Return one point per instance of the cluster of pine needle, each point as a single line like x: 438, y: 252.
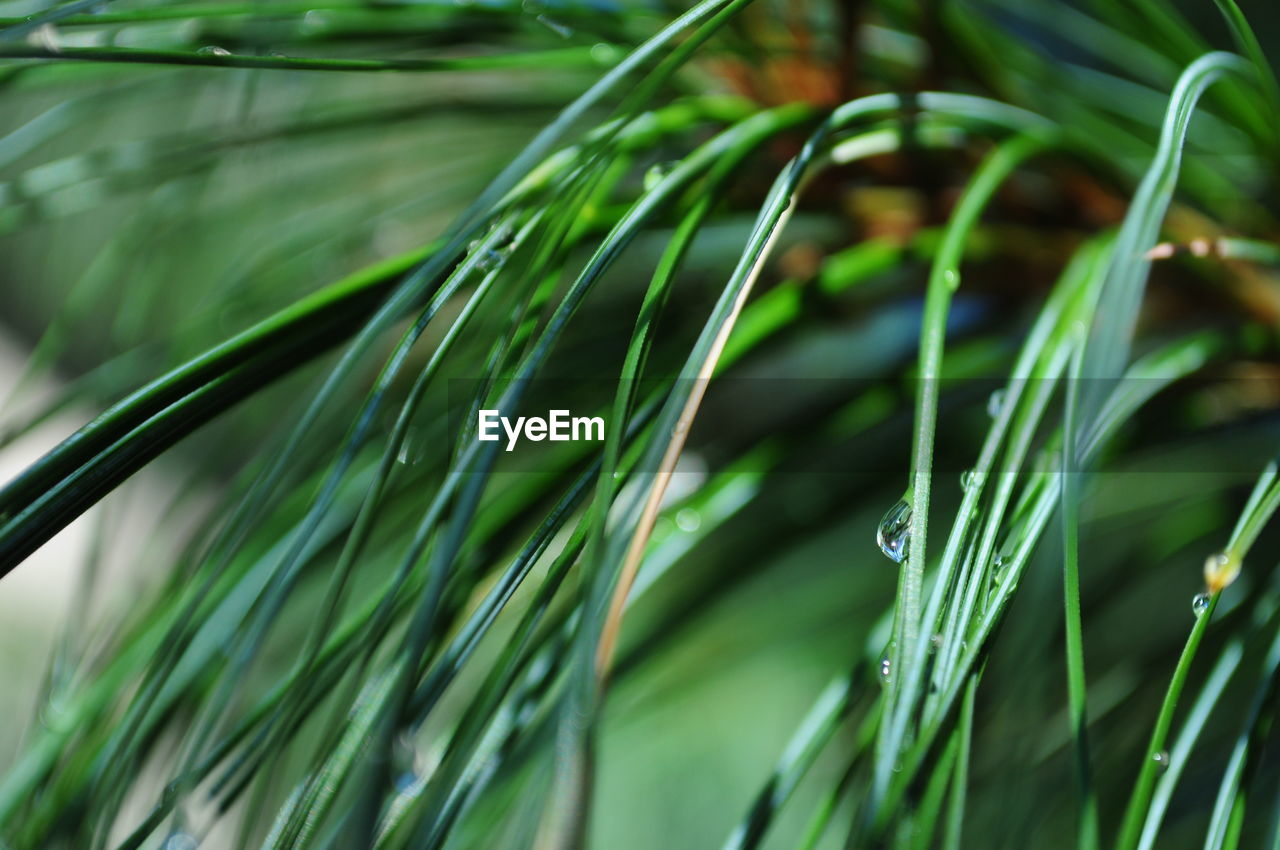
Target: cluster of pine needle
x: 938, y: 347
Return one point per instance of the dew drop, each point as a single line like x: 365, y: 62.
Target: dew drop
x: 886, y: 668
x: 504, y: 238
x: 1199, y: 604
x: 893, y: 535
x: 687, y: 519
x: 486, y: 258
x: 935, y: 641
x: 46, y: 36
x: 560, y: 29
x: 999, y: 572
x: 180, y: 841
x: 213, y: 50
x: 1162, y: 760
x: 605, y: 54
x: 952, y: 278
x: 995, y: 403
x: 655, y: 174
x: 966, y: 479
x: 406, y: 761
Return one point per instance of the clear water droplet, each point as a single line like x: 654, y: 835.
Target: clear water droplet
x: 504, y: 238
x: 213, y: 50
x: 995, y: 403
x: 411, y: 449
x: 560, y: 29
x: 1162, y: 760
x: 1199, y: 604
x: 886, y: 668
x: 688, y: 519
x: 406, y: 761
x: 893, y: 535
x: 952, y: 278
x: 935, y: 641
x: 966, y: 479
x: 605, y: 54
x: 486, y: 258
x: 656, y: 173
x: 180, y: 841
x: 46, y: 36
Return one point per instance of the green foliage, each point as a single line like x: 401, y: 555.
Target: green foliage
x: 798, y: 257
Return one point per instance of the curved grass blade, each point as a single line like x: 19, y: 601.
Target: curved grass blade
x: 817, y: 728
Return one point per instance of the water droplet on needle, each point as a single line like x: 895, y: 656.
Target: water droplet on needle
x: 655, y: 174
x: 995, y: 403
x: 893, y: 535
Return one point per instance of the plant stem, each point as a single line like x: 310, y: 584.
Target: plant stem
x: 1136, y: 812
